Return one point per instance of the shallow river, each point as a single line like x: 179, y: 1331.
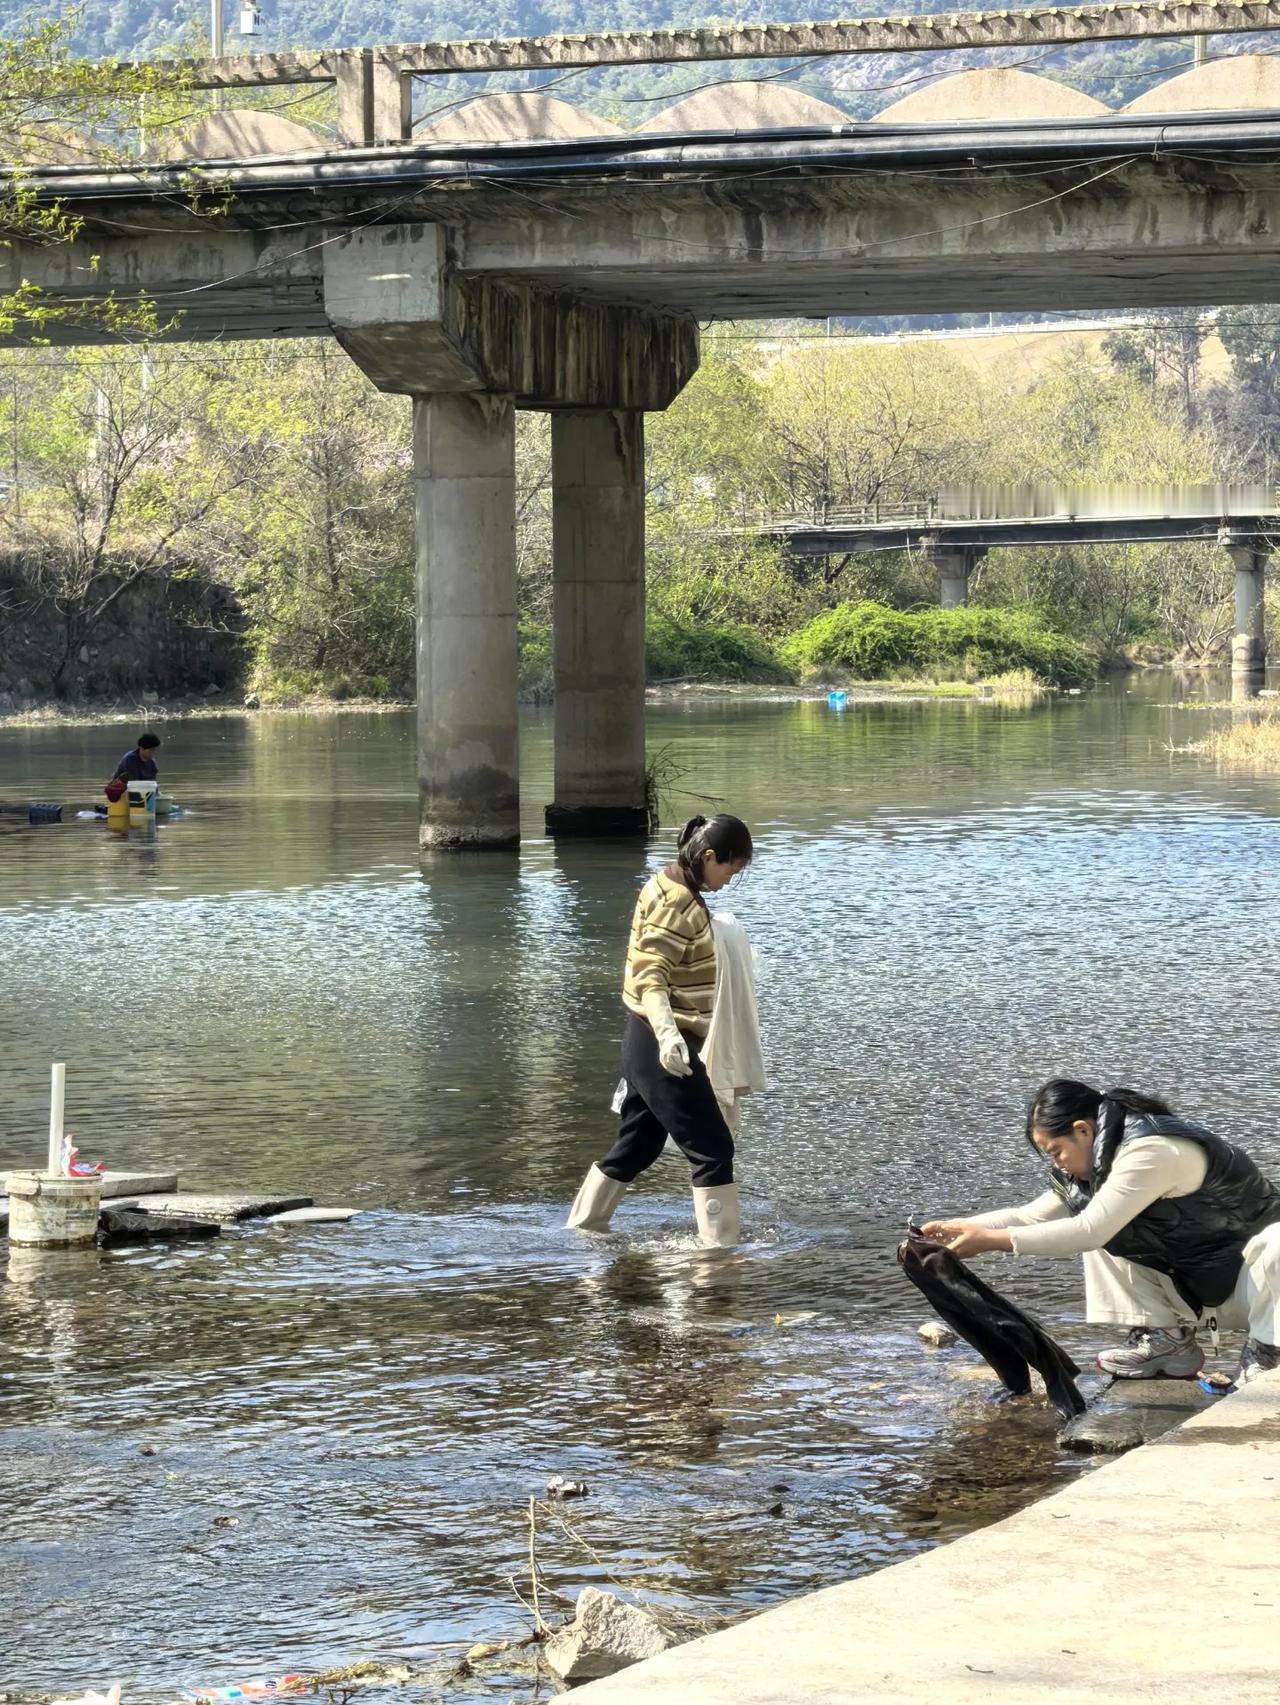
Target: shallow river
x: 951, y: 901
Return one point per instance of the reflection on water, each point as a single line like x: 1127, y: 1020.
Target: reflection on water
x: 952, y: 900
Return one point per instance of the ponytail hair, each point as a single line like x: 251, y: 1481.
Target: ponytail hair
x: 725, y: 836
x: 1057, y: 1105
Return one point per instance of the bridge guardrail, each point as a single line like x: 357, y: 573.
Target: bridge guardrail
x: 375, y: 84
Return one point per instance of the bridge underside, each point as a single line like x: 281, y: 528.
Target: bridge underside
x: 572, y: 277
x: 968, y: 218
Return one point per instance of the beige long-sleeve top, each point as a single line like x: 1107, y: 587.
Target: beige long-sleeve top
x: 1146, y: 1170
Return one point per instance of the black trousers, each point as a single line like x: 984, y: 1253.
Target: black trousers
x: 658, y: 1105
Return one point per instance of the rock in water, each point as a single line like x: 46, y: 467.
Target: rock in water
x: 935, y: 1333
x: 486, y: 1649
x: 559, y: 1487
x: 606, y: 1635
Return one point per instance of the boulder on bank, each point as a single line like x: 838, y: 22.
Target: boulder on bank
x: 605, y: 1636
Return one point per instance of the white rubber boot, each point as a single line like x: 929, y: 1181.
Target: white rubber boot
x: 594, y: 1204
x: 717, y: 1215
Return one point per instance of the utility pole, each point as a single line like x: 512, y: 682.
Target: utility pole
x: 216, y: 44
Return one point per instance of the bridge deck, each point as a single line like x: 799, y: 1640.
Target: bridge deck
x: 860, y: 219
x: 834, y: 538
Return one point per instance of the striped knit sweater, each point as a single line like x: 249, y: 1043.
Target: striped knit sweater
x: 672, y: 949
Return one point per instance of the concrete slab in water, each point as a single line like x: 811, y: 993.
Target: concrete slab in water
x: 1131, y: 1412
x: 314, y: 1216
x: 988, y: 1617
x: 135, y: 1225
x: 199, y: 1205
x: 1155, y: 1394
x: 137, y: 1183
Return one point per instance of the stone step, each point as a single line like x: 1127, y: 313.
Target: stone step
x: 209, y: 1205
x: 136, y: 1183
x: 136, y: 1225
x: 1131, y: 1412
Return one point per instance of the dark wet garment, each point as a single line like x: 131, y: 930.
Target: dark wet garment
x: 998, y: 1330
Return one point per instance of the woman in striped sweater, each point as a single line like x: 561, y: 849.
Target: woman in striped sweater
x: 668, y: 991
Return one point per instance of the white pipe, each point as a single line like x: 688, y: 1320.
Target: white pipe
x: 57, y: 1097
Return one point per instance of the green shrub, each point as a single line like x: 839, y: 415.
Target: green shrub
x: 872, y: 642
x: 707, y: 651
x: 537, y: 675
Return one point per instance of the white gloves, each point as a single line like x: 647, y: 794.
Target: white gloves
x: 673, y: 1050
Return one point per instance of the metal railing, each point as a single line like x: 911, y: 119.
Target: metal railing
x: 918, y: 512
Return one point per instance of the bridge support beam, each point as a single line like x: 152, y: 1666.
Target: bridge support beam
x: 954, y: 564
x: 597, y: 518
x: 1249, y: 639
x: 468, y: 738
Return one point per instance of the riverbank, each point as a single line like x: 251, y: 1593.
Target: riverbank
x: 1155, y: 1577
x: 95, y: 712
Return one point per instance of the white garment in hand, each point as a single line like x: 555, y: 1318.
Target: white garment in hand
x: 732, y: 1052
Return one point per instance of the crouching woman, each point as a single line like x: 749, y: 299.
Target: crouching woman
x: 1177, y: 1228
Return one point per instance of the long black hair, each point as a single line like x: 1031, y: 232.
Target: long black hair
x: 1057, y: 1105
x: 727, y: 837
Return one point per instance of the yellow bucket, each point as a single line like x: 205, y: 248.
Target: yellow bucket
x: 118, y: 812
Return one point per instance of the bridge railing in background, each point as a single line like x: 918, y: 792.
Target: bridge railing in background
x: 915, y: 513
x: 375, y: 84
x: 1030, y: 502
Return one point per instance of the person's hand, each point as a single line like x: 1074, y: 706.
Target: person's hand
x: 965, y: 1239
x: 673, y: 1055
x: 673, y: 1050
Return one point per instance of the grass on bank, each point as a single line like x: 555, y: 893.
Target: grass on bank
x: 870, y: 641
x: 1010, y: 652
x: 1253, y: 743
x: 675, y: 650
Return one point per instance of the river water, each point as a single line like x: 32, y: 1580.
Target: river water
x: 951, y: 901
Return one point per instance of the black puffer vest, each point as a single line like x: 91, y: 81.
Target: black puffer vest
x: 1194, y: 1240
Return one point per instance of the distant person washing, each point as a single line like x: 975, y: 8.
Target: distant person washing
x: 139, y: 762
x: 670, y: 993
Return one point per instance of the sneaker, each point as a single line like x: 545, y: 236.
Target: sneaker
x: 1155, y: 1352
x: 1256, y: 1358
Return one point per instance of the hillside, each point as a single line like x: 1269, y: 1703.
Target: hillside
x: 1112, y: 72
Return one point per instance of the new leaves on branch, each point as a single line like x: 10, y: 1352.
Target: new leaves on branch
x: 57, y: 109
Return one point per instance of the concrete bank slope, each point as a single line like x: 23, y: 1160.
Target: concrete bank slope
x: 1156, y: 1577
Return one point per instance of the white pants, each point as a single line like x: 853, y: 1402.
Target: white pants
x: 1120, y: 1293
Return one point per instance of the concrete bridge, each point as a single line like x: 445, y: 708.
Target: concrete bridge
x: 955, y: 544
x: 571, y: 276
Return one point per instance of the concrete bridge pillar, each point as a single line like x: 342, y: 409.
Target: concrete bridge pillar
x: 464, y: 488
x: 1249, y: 640
x: 954, y: 564
x: 469, y: 351
x: 597, y: 517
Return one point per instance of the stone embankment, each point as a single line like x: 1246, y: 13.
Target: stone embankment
x: 1156, y: 1577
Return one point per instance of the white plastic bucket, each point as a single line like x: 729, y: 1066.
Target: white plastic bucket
x: 52, y: 1213
x: 142, y: 802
